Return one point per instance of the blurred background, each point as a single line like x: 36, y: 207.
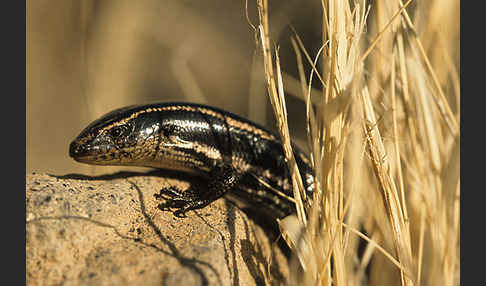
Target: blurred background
x: 85, y: 58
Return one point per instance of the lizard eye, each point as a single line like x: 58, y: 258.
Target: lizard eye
x: 118, y: 131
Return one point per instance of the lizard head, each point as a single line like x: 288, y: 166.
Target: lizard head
x: 135, y: 135
x: 106, y: 140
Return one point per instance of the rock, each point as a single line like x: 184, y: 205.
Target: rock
x: 108, y: 230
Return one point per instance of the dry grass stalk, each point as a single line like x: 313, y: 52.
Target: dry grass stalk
x: 384, y: 146
x: 278, y: 103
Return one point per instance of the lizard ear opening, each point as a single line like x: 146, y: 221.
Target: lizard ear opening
x: 171, y: 130
x: 172, y: 135
x: 167, y: 131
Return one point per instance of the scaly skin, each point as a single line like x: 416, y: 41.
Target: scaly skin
x: 239, y: 159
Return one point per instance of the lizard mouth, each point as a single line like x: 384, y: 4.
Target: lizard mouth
x: 98, y: 154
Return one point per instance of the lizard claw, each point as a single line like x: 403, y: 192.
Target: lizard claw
x: 175, y: 199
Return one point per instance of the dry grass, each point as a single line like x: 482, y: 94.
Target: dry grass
x: 384, y: 142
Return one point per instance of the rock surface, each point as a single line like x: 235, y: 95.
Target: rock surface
x: 108, y: 230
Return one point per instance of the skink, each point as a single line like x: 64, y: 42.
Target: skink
x: 238, y: 158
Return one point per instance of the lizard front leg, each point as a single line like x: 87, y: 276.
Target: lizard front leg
x: 222, y: 179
